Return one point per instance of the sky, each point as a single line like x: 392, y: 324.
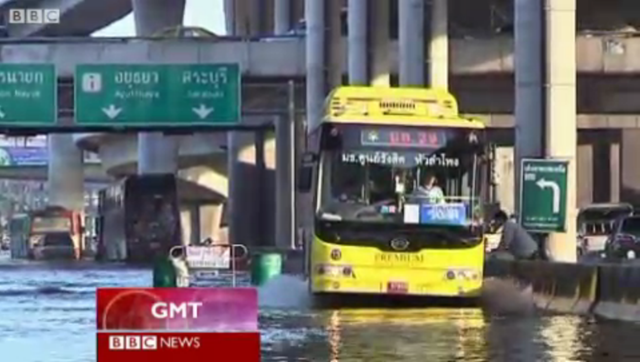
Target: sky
x: 207, y: 14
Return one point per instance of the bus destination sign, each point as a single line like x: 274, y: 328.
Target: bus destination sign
x: 410, y: 138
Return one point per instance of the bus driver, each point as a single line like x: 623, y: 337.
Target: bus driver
x: 430, y: 191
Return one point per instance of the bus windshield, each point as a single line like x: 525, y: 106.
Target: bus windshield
x: 41, y: 224
x: 403, y: 175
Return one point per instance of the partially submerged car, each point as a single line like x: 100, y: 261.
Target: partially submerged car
x: 596, y: 224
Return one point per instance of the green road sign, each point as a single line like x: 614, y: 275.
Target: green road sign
x: 543, y: 195
x: 157, y: 95
x: 28, y: 95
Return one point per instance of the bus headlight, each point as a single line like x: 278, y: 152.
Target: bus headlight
x: 462, y: 274
x: 334, y: 270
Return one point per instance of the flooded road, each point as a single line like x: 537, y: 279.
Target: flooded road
x: 47, y: 315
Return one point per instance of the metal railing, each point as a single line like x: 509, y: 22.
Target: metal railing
x: 204, y: 258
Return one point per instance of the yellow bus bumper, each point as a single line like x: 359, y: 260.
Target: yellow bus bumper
x: 413, y: 283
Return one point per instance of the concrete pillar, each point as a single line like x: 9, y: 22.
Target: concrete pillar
x: 152, y: 16
x: 157, y: 153
x: 357, y: 17
x: 186, y: 225
x: 230, y: 19
x: 285, y: 181
x: 315, y: 59
x: 380, y: 43
x: 282, y: 16
x: 237, y: 188
x: 561, y: 112
x: 614, y: 168
x: 255, y: 11
x: 334, y: 45
x: 587, y: 162
x: 629, y: 171
x: 210, y: 218
x: 65, y: 172
x: 439, y: 45
x: 411, y: 42
x: 66, y: 177
x: 529, y: 123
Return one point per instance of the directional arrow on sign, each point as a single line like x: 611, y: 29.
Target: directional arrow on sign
x: 203, y: 111
x: 2, y: 115
x: 543, y: 184
x: 112, y: 111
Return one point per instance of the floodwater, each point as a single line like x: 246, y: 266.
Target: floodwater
x: 47, y: 315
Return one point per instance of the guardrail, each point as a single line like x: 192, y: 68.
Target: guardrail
x: 605, y: 290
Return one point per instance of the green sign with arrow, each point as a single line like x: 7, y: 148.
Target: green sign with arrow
x: 543, y: 195
x: 158, y: 95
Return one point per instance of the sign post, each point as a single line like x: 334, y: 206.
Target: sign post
x: 543, y: 195
x: 162, y: 95
x: 28, y: 95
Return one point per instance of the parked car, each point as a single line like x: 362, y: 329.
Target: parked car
x: 596, y: 224
x: 624, y: 242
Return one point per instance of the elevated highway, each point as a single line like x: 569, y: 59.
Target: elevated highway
x: 481, y: 77
x: 481, y: 70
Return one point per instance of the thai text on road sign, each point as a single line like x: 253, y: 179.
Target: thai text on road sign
x: 543, y: 197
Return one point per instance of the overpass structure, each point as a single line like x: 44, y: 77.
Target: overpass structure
x: 470, y: 47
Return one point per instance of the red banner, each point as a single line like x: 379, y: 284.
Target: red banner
x: 177, y: 309
x: 172, y: 347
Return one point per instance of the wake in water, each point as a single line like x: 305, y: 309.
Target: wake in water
x: 507, y: 297
x: 284, y: 291
x: 498, y: 296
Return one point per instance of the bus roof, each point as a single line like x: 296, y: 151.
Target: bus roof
x: 395, y: 106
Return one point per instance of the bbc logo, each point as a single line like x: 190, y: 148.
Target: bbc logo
x: 34, y: 16
x: 133, y: 342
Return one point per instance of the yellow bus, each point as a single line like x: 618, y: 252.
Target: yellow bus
x: 378, y: 227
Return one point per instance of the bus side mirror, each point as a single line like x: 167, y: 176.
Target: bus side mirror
x: 305, y: 172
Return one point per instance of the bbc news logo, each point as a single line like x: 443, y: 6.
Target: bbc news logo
x: 34, y: 16
x: 133, y: 342
x: 141, y: 342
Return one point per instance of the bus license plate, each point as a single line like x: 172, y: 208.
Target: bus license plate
x: 397, y: 287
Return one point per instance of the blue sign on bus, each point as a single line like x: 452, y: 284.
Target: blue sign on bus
x: 443, y: 214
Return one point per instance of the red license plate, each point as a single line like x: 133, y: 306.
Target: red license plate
x: 397, y: 287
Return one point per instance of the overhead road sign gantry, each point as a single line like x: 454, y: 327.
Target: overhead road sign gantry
x: 28, y: 96
x: 543, y: 197
x: 136, y: 96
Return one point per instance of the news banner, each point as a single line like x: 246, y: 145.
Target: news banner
x: 167, y: 324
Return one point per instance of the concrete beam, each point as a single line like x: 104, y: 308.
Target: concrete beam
x: 584, y: 121
x: 258, y: 58
x: 286, y: 57
x: 92, y: 173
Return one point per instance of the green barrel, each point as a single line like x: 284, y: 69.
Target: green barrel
x: 164, y: 274
x: 265, y: 266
